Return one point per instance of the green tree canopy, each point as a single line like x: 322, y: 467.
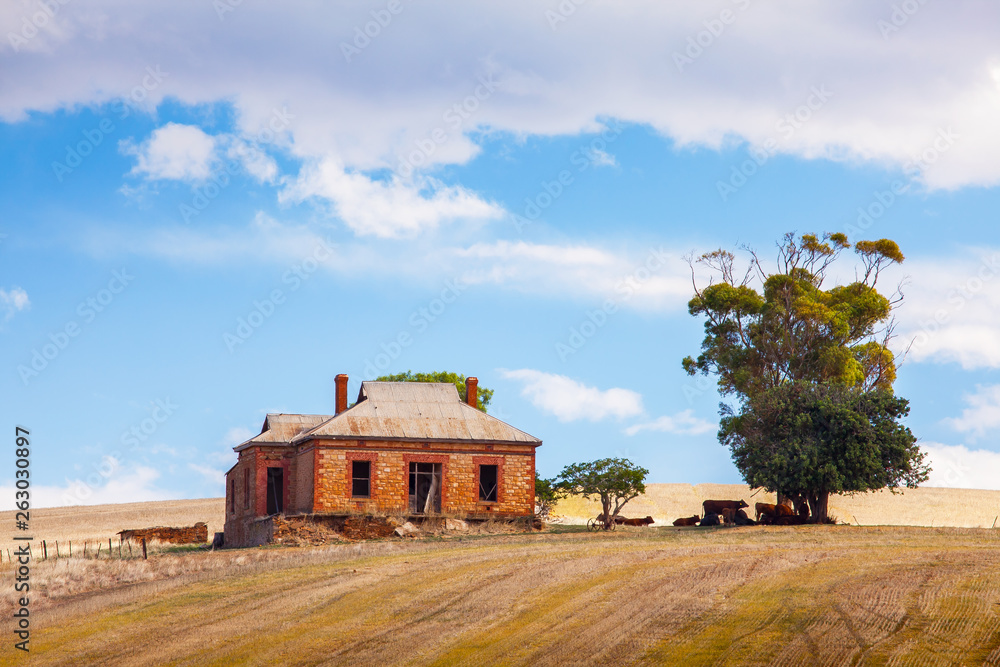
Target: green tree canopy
x: 483, y: 395
x: 793, y: 329
x: 547, y: 494
x: 810, y: 368
x: 812, y: 439
x: 613, y: 481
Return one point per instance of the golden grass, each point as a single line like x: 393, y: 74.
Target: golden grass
x: 99, y: 522
x: 927, y: 506
x: 834, y: 595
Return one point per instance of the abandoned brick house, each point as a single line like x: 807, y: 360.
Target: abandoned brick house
x: 407, y: 448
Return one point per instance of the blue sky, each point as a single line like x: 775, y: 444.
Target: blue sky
x: 210, y: 210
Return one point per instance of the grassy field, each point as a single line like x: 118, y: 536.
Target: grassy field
x: 928, y: 506
x: 96, y: 522
x: 831, y: 595
x: 963, y: 508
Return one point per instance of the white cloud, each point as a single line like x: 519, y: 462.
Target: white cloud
x: 956, y: 466
x: 12, y: 301
x: 255, y: 161
x: 264, y: 240
x: 135, y: 484
x: 682, y: 423
x: 599, y: 158
x: 215, y: 478
x: 982, y: 416
x: 653, y: 279
x: 890, y: 94
x: 237, y: 436
x: 650, y: 279
x: 570, y: 400
x: 387, y: 208
x: 951, y: 311
x: 174, y: 151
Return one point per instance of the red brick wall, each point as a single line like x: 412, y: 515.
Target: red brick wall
x: 235, y: 480
x: 318, y: 479
x: 390, y: 473
x: 302, y: 482
x: 271, y: 459
x: 492, y: 461
x: 256, y: 461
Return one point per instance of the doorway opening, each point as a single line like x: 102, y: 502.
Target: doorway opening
x: 275, y: 490
x: 425, y: 487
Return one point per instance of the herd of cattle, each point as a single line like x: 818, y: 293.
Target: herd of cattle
x: 732, y: 513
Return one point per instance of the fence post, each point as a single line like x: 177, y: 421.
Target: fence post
x: 98, y: 550
x: 110, y: 552
x: 57, y: 548
x: 144, y: 548
x: 130, y: 548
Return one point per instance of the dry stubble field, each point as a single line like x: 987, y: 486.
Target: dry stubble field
x: 832, y: 595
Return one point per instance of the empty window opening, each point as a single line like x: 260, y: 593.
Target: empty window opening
x: 425, y: 488
x: 232, y: 496
x: 246, y: 487
x: 488, y: 483
x: 275, y: 489
x: 361, y: 479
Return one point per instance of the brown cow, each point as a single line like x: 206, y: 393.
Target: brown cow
x: 687, y: 520
x: 728, y: 516
x: 622, y: 521
x: 764, y: 508
x: 716, y: 506
x: 789, y: 520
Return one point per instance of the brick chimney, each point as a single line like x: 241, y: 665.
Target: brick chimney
x: 472, y: 391
x: 341, y: 381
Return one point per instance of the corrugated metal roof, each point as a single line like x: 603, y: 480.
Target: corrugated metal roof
x: 281, y: 428
x: 415, y: 411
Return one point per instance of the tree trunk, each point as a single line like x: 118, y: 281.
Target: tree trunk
x: 819, y: 503
x: 798, y: 501
x: 606, y: 504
